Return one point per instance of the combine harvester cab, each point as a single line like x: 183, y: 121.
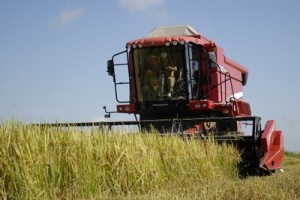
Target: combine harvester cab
x: 181, y: 82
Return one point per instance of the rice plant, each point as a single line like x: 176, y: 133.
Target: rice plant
x: 69, y: 163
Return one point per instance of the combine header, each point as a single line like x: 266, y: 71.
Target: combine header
x: 181, y: 82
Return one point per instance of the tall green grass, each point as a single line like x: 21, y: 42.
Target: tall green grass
x: 67, y: 163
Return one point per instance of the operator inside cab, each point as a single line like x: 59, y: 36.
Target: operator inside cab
x: 160, y: 73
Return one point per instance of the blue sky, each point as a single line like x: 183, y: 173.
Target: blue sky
x: 53, y: 54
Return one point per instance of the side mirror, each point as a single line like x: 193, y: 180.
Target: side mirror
x: 212, y: 59
x: 110, y: 68
x: 244, y: 78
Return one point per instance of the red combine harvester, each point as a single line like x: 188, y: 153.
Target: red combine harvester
x: 181, y: 82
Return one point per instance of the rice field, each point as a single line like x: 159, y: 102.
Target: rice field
x: 68, y: 163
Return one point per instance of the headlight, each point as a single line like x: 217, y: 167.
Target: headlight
x: 197, y: 105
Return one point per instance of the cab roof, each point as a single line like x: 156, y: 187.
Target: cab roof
x: 180, y: 30
x: 162, y: 35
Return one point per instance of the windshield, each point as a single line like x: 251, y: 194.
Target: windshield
x: 159, y: 73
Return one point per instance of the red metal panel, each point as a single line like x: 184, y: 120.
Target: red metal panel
x: 273, y: 146
x: 235, y: 65
x: 242, y: 108
x: 126, y: 108
x: 214, y: 93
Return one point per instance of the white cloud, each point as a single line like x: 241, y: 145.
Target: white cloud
x: 160, y: 15
x: 68, y: 16
x: 140, y: 5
